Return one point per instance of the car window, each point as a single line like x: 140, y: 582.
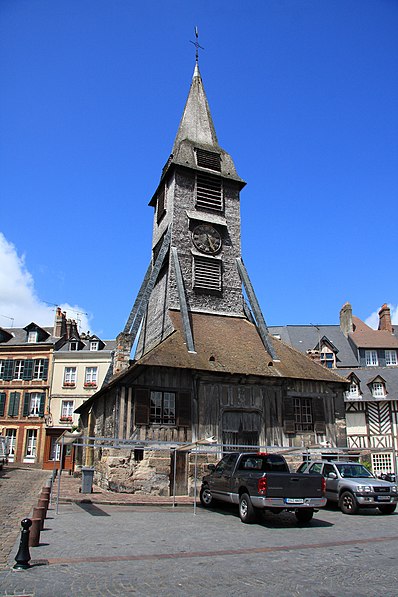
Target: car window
x: 353, y: 470
x: 263, y: 462
x: 328, y: 468
x: 303, y: 466
x: 315, y: 468
x: 226, y: 464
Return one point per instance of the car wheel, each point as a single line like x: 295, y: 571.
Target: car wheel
x: 348, y: 504
x: 304, y: 515
x: 206, y: 498
x: 246, y: 511
x: 387, y: 508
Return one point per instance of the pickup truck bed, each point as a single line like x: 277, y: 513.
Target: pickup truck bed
x: 259, y: 481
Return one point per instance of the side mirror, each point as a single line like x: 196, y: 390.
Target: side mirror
x: 211, y: 467
x: 332, y: 476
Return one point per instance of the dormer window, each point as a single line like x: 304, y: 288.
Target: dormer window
x: 32, y: 337
x: 73, y: 346
x: 327, y: 358
x: 378, y: 389
x: 94, y: 345
x: 391, y: 357
x: 371, y: 358
x: 354, y: 390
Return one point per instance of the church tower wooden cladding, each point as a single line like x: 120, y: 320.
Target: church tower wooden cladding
x: 205, y: 364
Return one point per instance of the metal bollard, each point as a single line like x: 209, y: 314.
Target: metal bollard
x: 23, y: 556
x: 34, y: 537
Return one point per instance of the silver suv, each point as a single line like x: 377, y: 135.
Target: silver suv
x: 352, y: 486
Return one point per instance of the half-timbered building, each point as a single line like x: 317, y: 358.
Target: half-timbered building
x: 205, y: 363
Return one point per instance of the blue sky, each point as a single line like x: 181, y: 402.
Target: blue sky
x: 304, y: 96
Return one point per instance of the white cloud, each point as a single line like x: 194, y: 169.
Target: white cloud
x: 373, y: 319
x: 19, y: 304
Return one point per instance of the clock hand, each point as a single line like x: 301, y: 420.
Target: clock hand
x: 211, y: 243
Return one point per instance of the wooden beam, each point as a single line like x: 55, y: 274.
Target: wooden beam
x: 183, y: 302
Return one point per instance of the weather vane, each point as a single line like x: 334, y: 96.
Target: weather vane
x: 196, y: 44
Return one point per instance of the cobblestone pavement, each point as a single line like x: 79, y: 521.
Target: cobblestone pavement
x: 19, y: 490
x: 99, y: 550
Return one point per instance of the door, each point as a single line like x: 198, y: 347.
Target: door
x: 220, y: 480
x: 331, y: 484
x: 240, y: 429
x: 179, y: 460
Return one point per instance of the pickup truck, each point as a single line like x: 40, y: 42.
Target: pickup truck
x: 259, y: 481
x: 352, y: 486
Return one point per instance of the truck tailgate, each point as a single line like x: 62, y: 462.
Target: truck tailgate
x: 294, y: 485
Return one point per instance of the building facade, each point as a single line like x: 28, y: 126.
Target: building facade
x: 368, y: 358
x: 45, y: 373
x: 205, y: 364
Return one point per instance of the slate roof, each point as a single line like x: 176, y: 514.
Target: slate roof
x: 109, y: 345
x: 306, y: 337
x: 366, y: 375
x: 196, y: 129
x: 19, y: 337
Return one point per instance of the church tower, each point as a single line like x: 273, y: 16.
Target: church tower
x: 196, y: 264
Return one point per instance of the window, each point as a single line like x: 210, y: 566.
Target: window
x: 163, y: 408
x: 67, y: 410
x: 18, y: 369
x: 391, y: 357
x: 371, y: 358
x: 31, y: 442
x: 382, y: 463
x: 303, y: 414
x: 55, y: 450
x: 73, y: 345
x: 34, y: 404
x: 94, y: 345
x: 70, y: 376
x: 327, y: 359
x: 40, y: 369
x: 11, y: 435
x: 378, y: 390
x: 207, y: 274
x: 32, y: 337
x: 353, y: 392
x: 161, y: 203
x: 209, y: 191
x: 90, y: 378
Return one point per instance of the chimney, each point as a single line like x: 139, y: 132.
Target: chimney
x: 346, y: 319
x: 71, y: 329
x: 385, y: 318
x: 59, y: 323
x: 122, y: 353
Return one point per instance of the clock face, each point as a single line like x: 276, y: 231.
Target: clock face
x: 206, y: 239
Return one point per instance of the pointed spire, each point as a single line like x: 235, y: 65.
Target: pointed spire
x: 196, y: 123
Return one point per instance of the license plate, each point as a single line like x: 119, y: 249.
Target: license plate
x: 383, y: 498
x: 294, y: 501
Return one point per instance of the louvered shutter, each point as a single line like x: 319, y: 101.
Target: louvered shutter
x: 318, y: 412
x: 13, y: 404
x: 45, y: 369
x: 141, y: 406
x: 8, y: 370
x: 184, y: 409
x: 2, y: 368
x: 288, y: 415
x: 26, y: 402
x: 41, y: 405
x: 28, y: 369
x: 2, y: 403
